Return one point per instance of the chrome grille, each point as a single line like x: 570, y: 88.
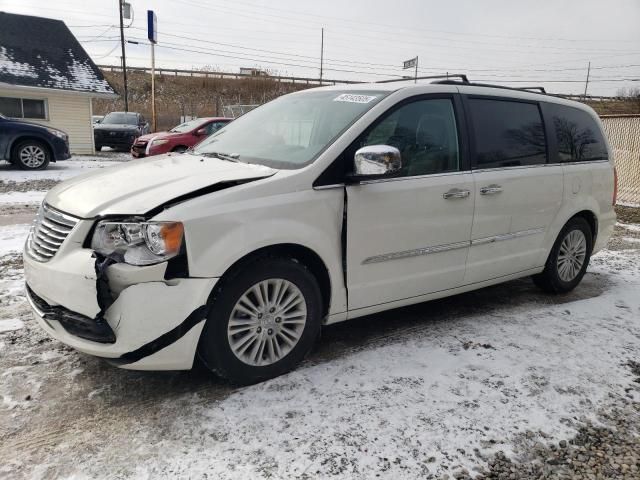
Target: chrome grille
x: 50, y: 228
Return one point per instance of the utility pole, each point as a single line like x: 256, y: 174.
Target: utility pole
x: 124, y: 59
x: 321, y: 52
x: 587, y: 82
x: 416, y: 77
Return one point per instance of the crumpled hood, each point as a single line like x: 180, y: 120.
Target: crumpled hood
x: 134, y: 188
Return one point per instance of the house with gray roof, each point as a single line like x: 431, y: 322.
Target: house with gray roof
x: 46, y: 77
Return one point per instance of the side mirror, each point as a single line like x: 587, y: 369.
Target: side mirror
x: 376, y: 161
x: 201, y: 131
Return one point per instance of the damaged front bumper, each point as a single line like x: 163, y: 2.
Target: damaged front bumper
x: 150, y: 324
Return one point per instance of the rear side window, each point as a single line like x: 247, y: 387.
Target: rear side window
x: 578, y: 136
x: 507, y: 133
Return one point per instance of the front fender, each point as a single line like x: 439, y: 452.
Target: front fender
x: 17, y: 137
x: 309, y: 218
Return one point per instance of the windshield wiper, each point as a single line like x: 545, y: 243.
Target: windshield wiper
x: 231, y: 157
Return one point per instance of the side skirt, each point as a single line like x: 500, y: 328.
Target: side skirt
x: 360, y: 312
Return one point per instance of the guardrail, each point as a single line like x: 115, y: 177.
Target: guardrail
x: 237, y: 76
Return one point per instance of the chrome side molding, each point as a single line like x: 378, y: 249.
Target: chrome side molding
x: 450, y: 246
x: 415, y: 253
x: 507, y: 236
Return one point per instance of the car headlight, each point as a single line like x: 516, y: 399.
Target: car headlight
x: 159, y: 141
x: 139, y: 243
x: 57, y: 133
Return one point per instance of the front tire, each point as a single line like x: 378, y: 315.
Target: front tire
x: 31, y: 155
x: 569, y: 258
x: 263, y: 320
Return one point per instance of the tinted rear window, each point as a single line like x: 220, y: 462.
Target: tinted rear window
x: 578, y: 136
x: 507, y: 133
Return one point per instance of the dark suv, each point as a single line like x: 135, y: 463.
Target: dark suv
x: 30, y: 146
x: 119, y: 130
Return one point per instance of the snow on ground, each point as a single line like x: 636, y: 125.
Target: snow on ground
x: 404, y: 394
x: 63, y: 169
x: 456, y: 386
x: 20, y: 187
x: 22, y: 198
x: 12, y: 238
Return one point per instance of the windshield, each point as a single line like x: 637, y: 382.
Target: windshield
x: 121, y: 118
x: 188, y: 126
x: 290, y: 131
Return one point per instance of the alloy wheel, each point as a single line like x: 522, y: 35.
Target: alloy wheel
x: 267, y: 322
x: 571, y: 256
x: 32, y: 156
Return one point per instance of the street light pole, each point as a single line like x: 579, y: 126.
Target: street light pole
x: 152, y: 35
x: 124, y: 59
x: 153, y: 87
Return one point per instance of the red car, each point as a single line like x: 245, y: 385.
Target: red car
x: 179, y: 138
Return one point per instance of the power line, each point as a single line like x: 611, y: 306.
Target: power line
x: 216, y: 54
x: 394, y: 28
x: 370, y: 65
x: 404, y: 27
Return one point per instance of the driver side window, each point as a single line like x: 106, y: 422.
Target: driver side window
x: 425, y: 133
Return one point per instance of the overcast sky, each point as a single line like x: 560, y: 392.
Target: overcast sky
x: 530, y: 43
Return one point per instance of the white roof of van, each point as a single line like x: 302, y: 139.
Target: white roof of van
x: 424, y: 86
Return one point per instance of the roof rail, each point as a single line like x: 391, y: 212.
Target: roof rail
x: 490, y: 85
x: 463, y: 78
x: 540, y: 89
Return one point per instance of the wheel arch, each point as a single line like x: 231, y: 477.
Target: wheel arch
x: 22, y: 138
x: 299, y: 253
x: 176, y: 147
x: 591, y: 219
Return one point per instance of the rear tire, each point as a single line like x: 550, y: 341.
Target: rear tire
x: 98, y: 148
x: 31, y: 155
x: 179, y: 149
x: 569, y: 258
x: 263, y: 320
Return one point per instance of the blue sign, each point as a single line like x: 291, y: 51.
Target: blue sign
x: 152, y: 26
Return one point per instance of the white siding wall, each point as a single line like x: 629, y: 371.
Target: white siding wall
x: 67, y: 111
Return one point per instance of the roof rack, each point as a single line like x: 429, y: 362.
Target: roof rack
x: 463, y: 78
x: 489, y: 85
x: 540, y: 89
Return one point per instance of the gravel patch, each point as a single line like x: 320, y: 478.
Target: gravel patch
x: 28, y: 186
x: 628, y: 214
x: 607, y: 447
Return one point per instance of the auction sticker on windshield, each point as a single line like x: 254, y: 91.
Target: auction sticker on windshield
x: 350, y: 97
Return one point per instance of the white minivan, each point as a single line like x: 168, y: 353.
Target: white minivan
x: 318, y: 207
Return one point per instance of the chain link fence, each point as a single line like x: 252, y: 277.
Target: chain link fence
x: 234, y: 111
x: 623, y: 132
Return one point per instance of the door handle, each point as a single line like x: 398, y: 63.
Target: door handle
x: 456, y: 193
x: 491, y: 189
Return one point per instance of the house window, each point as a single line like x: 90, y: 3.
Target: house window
x: 23, y: 108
